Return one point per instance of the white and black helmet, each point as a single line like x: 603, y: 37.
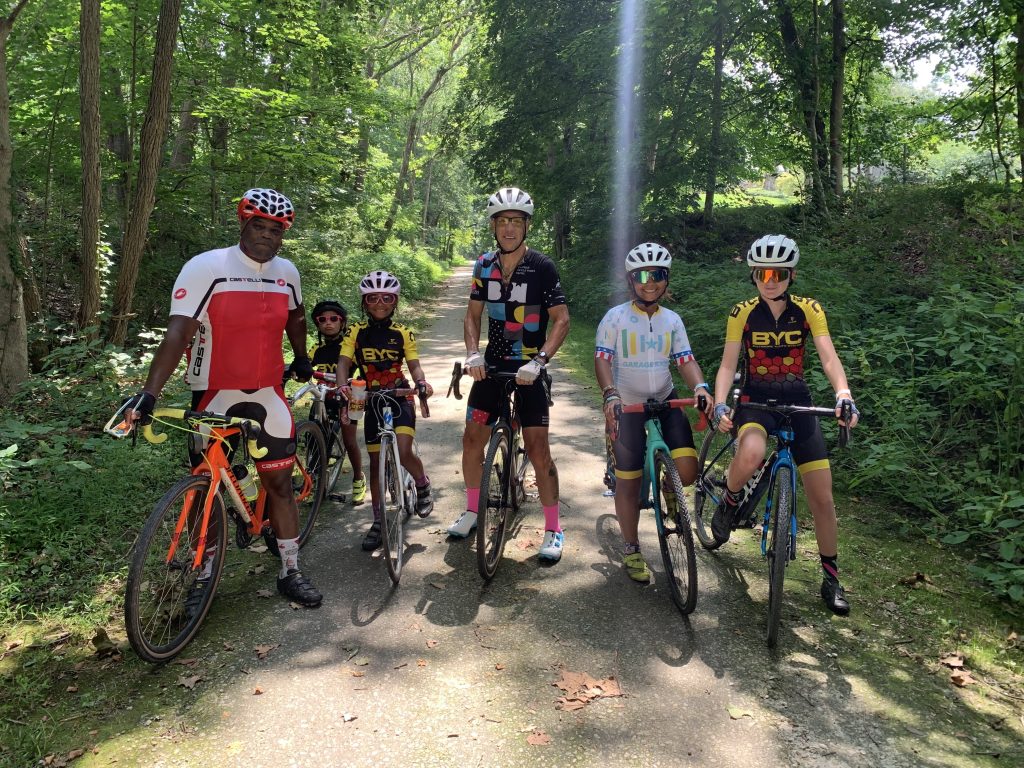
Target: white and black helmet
x: 266, y: 204
x: 648, y: 256
x: 509, y: 199
x: 773, y: 251
x: 379, y: 281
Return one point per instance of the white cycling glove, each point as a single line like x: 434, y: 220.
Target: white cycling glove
x: 475, y: 360
x: 529, y: 372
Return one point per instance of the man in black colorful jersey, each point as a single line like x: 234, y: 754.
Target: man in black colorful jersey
x: 378, y: 345
x: 772, y: 331
x: 521, y: 290
x: 331, y: 320
x: 229, y: 310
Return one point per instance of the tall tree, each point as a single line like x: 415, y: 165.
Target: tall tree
x: 89, y: 82
x: 151, y: 140
x: 13, y: 330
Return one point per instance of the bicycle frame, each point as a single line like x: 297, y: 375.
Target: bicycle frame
x: 781, y: 457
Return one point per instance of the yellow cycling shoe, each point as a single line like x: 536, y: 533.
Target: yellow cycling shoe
x: 636, y: 567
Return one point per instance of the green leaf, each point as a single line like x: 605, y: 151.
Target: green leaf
x: 956, y: 537
x: 80, y: 465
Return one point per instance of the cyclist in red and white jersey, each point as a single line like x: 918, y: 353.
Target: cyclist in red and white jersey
x: 230, y: 308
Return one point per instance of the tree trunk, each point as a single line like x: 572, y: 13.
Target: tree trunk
x: 154, y: 127
x: 13, y: 330
x: 183, y: 152
x: 89, y: 80
x: 835, y: 139
x: 714, y: 146
x: 1018, y: 80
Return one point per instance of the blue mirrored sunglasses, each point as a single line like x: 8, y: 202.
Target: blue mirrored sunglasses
x: 644, y: 276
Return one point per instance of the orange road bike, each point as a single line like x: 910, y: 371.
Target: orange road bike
x: 178, y: 558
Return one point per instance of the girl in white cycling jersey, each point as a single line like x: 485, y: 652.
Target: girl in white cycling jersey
x: 637, y: 343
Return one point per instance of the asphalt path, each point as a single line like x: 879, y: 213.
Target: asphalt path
x: 445, y: 670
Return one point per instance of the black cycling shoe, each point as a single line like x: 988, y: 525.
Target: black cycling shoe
x: 835, y: 597
x: 424, y: 501
x: 372, y: 539
x: 722, y: 521
x: 296, y: 587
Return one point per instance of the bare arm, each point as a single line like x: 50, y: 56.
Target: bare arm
x: 180, y: 330
x: 692, y: 375
x: 471, y: 326
x: 835, y: 372
x: 296, y: 330
x: 559, y: 330
x: 724, y: 378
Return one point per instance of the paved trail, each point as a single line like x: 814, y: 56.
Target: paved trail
x: 444, y: 671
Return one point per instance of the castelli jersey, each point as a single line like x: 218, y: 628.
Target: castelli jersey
x: 642, y: 349
x: 242, y: 307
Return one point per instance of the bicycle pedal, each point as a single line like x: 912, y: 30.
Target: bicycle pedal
x: 336, y: 496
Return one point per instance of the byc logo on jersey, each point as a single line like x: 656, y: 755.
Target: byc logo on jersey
x: 180, y: 293
x: 380, y: 355
x: 773, y: 339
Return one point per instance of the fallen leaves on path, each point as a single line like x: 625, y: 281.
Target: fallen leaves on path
x: 257, y: 691
x: 262, y: 650
x: 581, y: 689
x: 432, y: 643
x: 189, y: 682
x: 538, y: 739
x: 736, y: 713
x: 953, y: 660
x: 961, y: 678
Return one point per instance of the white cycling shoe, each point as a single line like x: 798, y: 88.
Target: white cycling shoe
x: 551, y: 549
x: 464, y: 526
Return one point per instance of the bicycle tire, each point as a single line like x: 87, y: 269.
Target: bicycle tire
x: 308, y: 478
x: 675, y: 534
x: 393, y: 507
x: 712, y: 463
x: 520, y: 466
x: 492, y: 517
x: 778, y: 550
x: 335, y: 446
x: 158, y: 621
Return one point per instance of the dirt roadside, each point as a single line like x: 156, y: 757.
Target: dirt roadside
x: 447, y: 671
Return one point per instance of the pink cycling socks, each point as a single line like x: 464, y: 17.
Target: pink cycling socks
x: 473, y: 500
x: 551, y: 518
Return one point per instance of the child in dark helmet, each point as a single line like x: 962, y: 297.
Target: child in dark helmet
x: 331, y: 320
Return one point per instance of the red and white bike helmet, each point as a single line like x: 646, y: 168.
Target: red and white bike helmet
x: 379, y: 281
x: 267, y: 204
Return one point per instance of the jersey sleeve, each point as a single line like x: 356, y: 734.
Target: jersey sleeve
x: 295, y: 295
x: 348, y: 344
x: 681, y: 350
x: 815, y: 316
x: 476, y: 289
x: 192, y: 289
x: 409, y: 343
x: 553, y: 295
x: 604, y: 348
x: 737, y: 320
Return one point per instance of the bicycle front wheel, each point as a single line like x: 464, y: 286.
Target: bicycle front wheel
x: 675, y: 534
x: 779, y: 547
x: 393, y: 507
x: 167, y: 597
x: 494, y: 502
x: 309, y: 475
x: 335, y: 456
x: 713, y: 461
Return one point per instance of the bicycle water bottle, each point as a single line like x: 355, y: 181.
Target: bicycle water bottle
x: 357, y: 402
x: 389, y: 418
x: 247, y: 481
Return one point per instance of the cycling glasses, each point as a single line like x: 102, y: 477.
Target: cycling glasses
x: 515, y: 221
x: 645, y: 276
x: 328, y: 319
x: 387, y: 299
x: 772, y: 274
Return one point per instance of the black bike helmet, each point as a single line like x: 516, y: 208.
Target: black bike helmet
x: 326, y: 304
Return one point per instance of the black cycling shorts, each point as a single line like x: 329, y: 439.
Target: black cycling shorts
x: 631, y: 445
x: 487, y: 400
x: 403, y: 414
x: 809, y: 451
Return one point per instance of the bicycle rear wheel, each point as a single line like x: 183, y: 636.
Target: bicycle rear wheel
x: 778, y: 550
x: 713, y: 461
x: 393, y: 507
x: 166, y: 597
x: 675, y: 534
x: 520, y: 462
x: 492, y: 517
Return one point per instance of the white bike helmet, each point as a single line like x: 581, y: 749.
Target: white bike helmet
x: 648, y: 256
x: 773, y: 251
x: 379, y: 281
x: 509, y: 199
x: 267, y: 204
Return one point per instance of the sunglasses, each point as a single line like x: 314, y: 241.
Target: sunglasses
x: 515, y: 221
x: 645, y: 276
x: 381, y: 298
x: 772, y: 275
x: 328, y: 319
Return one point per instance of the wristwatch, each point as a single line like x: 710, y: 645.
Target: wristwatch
x: 543, y: 357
